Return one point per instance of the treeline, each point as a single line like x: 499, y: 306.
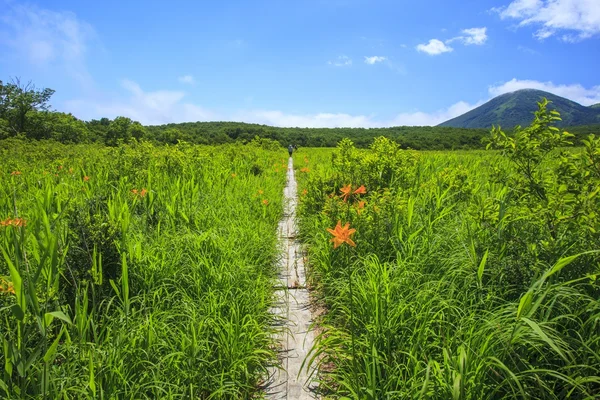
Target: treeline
x: 25, y: 112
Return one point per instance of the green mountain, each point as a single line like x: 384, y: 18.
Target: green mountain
x: 517, y: 108
x: 597, y: 105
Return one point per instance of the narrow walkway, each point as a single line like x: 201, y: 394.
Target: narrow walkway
x: 292, y: 307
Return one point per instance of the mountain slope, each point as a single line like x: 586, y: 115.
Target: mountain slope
x: 517, y: 108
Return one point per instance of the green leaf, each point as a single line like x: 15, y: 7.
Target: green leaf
x: 538, y: 330
x: 57, y: 314
x: 49, y: 356
x: 525, y: 303
x: 17, y: 312
x: 482, y: 266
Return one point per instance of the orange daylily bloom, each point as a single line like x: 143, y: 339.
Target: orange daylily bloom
x: 305, y: 169
x: 6, y: 287
x: 86, y: 178
x: 140, y: 193
x: 361, y: 204
x: 361, y: 190
x: 342, y: 235
x: 17, y: 222
x: 16, y: 173
x: 260, y: 191
x: 233, y: 175
x: 304, y: 192
x: 265, y: 202
x: 346, y: 192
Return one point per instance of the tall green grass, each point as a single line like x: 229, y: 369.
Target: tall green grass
x: 460, y: 286
x: 142, y: 272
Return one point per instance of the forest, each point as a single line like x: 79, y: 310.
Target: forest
x: 25, y: 112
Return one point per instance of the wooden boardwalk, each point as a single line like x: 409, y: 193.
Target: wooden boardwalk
x: 292, y: 308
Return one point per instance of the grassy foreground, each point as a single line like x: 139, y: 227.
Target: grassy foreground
x: 473, y: 275
x: 137, y: 272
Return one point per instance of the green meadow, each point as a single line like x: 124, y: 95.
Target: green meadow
x: 146, y: 271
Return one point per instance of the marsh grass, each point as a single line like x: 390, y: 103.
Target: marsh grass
x: 458, y: 287
x: 150, y: 278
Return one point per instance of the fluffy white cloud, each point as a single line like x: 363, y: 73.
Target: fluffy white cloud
x: 319, y: 120
x: 419, y: 118
x: 575, y: 92
x: 374, y: 59
x: 476, y: 36
x: 151, y: 108
x: 46, y: 38
x: 341, y: 61
x: 187, y: 79
x: 552, y: 16
x: 330, y: 120
x: 434, y: 47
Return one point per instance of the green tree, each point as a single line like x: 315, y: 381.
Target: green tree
x: 18, y: 100
x: 118, y: 131
x: 137, y: 130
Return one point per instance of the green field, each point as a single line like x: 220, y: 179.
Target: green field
x: 146, y: 272
x: 138, y: 272
x: 473, y: 274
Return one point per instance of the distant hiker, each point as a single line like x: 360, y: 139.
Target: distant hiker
x: 290, y: 149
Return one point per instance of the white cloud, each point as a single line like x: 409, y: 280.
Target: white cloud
x: 528, y: 50
x: 471, y: 36
x: 420, y: 118
x: 575, y: 92
x: 150, y: 108
x: 331, y: 120
x: 187, y: 79
x: 434, y: 47
x: 48, y: 38
x: 319, y: 120
x: 553, y: 16
x: 341, y: 61
x: 475, y: 36
x: 374, y: 59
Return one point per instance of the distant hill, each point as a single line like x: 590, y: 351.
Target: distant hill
x: 517, y: 108
x: 597, y: 105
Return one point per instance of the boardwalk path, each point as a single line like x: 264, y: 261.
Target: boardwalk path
x: 293, y: 307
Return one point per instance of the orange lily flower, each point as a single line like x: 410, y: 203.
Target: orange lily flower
x: 86, y: 178
x: 16, y: 173
x: 6, y: 287
x: 304, y: 192
x: 135, y: 191
x: 361, y: 190
x: 233, y: 175
x: 17, y: 222
x: 260, y: 191
x: 265, y: 202
x: 342, y: 235
x: 143, y: 193
x: 346, y: 192
x: 305, y: 169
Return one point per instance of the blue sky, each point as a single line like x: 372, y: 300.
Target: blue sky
x: 309, y: 63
